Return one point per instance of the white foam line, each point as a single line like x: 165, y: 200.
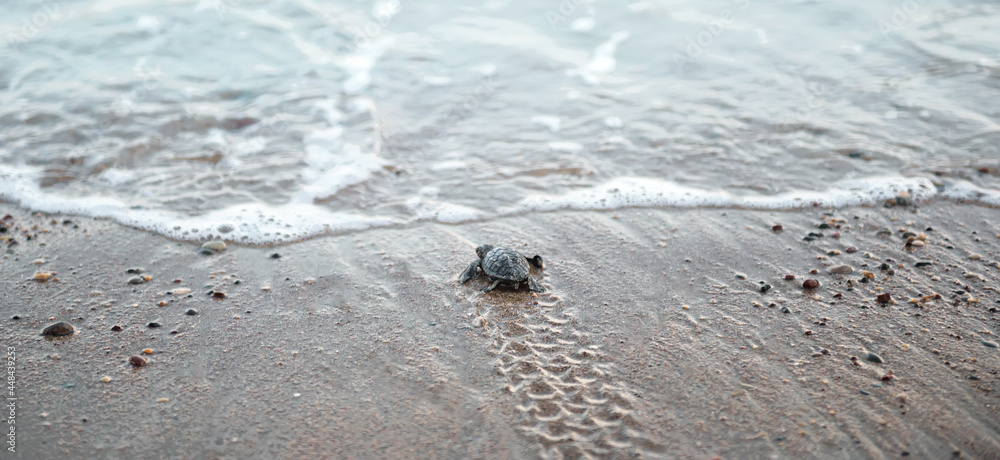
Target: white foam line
x: 250, y: 223
x: 628, y: 192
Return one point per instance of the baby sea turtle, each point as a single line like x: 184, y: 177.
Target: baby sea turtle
x: 504, y: 266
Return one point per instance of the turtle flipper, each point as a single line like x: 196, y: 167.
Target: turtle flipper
x: 492, y: 286
x: 470, y: 272
x: 536, y: 261
x: 535, y: 286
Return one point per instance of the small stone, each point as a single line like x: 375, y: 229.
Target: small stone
x: 116, y: 328
x: 975, y: 257
x: 59, y: 329
x: 778, y: 228
x: 810, y: 284
x: 163, y: 400
x: 867, y: 275
x: 841, y: 269
x: 922, y: 264
x: 789, y: 277
x: 851, y: 250
x: 214, y: 246
x: 884, y: 298
x: 39, y: 261
x: 191, y: 312
x: 765, y: 288
x: 875, y: 358
x: 181, y: 291
x: 137, y: 280
x: 42, y: 277
x: 134, y: 271
x: 276, y: 256
x: 990, y: 344
x: 15, y: 317
x: 785, y: 310
x: 917, y: 243
x: 219, y: 295
x: 138, y: 361
x: 148, y: 351
x: 741, y: 276
x: 105, y: 379
x: 153, y: 324
x: 884, y: 266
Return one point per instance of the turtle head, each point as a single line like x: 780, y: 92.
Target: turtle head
x: 537, y: 262
x: 483, y: 250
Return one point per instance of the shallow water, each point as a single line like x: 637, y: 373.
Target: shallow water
x: 271, y: 121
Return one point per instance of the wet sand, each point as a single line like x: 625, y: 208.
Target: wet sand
x: 653, y: 339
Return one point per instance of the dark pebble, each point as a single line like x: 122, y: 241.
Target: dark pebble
x: 59, y: 329
x: 810, y: 284
x: 765, y: 288
x: 884, y: 298
x: 116, y: 328
x: 153, y: 324
x: 134, y: 271
x: 824, y: 226
x: 884, y: 266
x: 219, y: 295
x: 789, y: 277
x: 15, y: 317
x: 875, y: 358
x: 785, y: 310
x: 206, y: 251
x: 864, y: 392
x: 191, y: 312
x: 809, y: 238
x: 921, y: 264
x: 276, y: 256
x: 136, y: 280
x: 138, y: 361
x: 851, y: 250
x: 237, y: 282
x: 777, y: 228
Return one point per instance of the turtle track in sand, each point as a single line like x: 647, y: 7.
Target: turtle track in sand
x: 575, y: 404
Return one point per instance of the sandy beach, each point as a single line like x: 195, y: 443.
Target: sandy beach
x: 654, y: 339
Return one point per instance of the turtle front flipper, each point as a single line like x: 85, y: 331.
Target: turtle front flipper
x: 536, y: 261
x: 470, y: 272
x: 535, y: 286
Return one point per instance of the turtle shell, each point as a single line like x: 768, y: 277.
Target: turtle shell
x: 506, y: 264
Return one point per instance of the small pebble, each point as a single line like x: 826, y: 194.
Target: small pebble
x: 841, y: 269
x: 884, y: 298
x: 116, y: 328
x: 191, y: 312
x: 765, y: 288
x: 138, y: 361
x: 42, y: 277
x: 134, y: 271
x: 810, y: 284
x: 777, y: 228
x: 137, y: 280
x: 181, y: 291
x: 975, y: 257
x: 105, y: 379
x: 922, y: 264
x: 148, y: 351
x: 276, y: 256
x: 163, y: 400
x: 851, y: 250
x: 789, y: 277
x: 214, y: 246
x: 153, y: 324
x: 219, y: 295
x: 785, y: 310
x: 990, y: 344
x: 59, y: 329
x: 875, y: 358
x: 917, y: 243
